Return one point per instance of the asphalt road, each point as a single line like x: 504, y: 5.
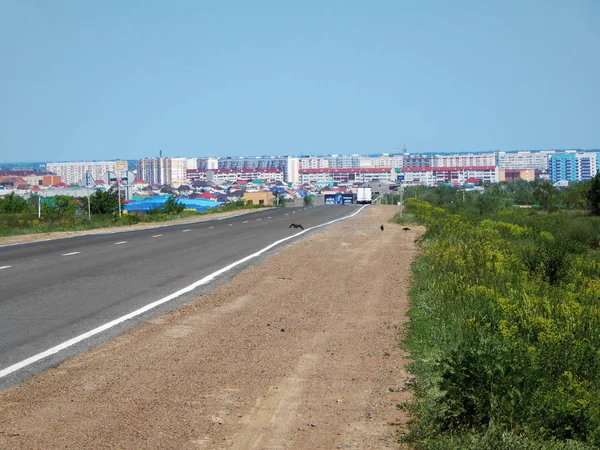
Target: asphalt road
x: 60, y: 290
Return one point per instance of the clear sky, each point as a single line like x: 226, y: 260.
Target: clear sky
x: 112, y: 79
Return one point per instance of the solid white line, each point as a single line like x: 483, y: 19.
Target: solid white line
x: 185, y: 231
x: 5, y: 267
x: 69, y: 254
x: 207, y: 279
x: 157, y: 235
x: 121, y: 242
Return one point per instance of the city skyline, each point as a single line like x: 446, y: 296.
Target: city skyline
x: 124, y: 80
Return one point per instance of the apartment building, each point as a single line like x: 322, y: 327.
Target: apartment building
x: 346, y: 175
x: 573, y: 166
x: 385, y: 160
x: 344, y: 161
x: 464, y: 160
x: 222, y: 176
x: 525, y: 160
x: 73, y: 172
x: 450, y: 175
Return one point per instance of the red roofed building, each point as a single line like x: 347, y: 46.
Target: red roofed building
x: 455, y: 175
x: 346, y: 175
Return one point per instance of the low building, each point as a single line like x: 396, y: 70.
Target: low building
x: 259, y: 198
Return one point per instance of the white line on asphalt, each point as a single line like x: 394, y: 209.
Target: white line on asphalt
x: 5, y: 267
x: 207, y: 279
x: 210, y: 227
x: 157, y: 235
x: 185, y: 231
x: 258, y: 219
x: 230, y: 225
x: 269, y: 217
x: 120, y: 242
x: 287, y: 214
x: 72, y: 253
x: 245, y: 221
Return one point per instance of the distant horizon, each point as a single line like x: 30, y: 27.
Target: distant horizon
x: 306, y: 155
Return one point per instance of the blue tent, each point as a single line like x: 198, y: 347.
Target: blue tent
x: 199, y: 204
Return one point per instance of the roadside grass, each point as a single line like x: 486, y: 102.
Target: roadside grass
x: 21, y: 224
x: 505, y: 313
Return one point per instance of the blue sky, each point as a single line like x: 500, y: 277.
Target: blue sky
x: 126, y: 78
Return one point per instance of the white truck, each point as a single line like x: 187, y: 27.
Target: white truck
x: 364, y: 195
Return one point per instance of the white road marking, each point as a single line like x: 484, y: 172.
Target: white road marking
x: 120, y: 242
x: 294, y: 212
x: 269, y: 217
x: 185, y: 231
x: 210, y: 227
x: 157, y: 235
x: 230, y: 225
x: 5, y: 267
x: 287, y: 214
x: 245, y: 221
x: 258, y: 219
x: 72, y: 253
x: 207, y: 279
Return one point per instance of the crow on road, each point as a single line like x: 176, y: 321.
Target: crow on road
x: 381, y: 227
x: 296, y: 225
x: 406, y: 229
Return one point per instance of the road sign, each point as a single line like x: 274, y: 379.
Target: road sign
x: 88, y: 179
x: 127, y: 177
x: 109, y: 178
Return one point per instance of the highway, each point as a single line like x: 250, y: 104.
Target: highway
x: 57, y: 296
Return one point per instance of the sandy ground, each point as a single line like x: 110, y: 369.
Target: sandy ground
x: 297, y: 352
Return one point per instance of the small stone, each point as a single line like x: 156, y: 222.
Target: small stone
x: 314, y: 425
x: 282, y: 330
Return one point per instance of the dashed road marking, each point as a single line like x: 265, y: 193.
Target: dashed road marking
x: 258, y: 219
x: 121, y: 242
x: 5, y: 267
x: 230, y: 225
x: 157, y: 235
x: 245, y: 221
x: 185, y: 231
x: 269, y: 217
x: 210, y: 227
x: 72, y: 253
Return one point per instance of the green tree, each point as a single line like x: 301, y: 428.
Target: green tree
x: 103, y: 202
x: 13, y: 204
x: 545, y: 195
x: 65, y: 205
x: 593, y: 196
x: 307, y: 200
x: 172, y: 206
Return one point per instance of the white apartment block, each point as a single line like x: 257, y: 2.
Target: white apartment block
x: 313, y: 162
x: 175, y: 171
x: 347, y: 175
x: 395, y: 161
x: 73, y: 172
x: 292, y: 166
x: 222, y: 176
x: 524, y: 160
x: 454, y: 175
x: 464, y: 160
x: 344, y: 161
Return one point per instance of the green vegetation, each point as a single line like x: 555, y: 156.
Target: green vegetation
x: 505, y: 319
x: 62, y: 213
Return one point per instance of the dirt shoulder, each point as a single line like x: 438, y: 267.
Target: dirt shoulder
x: 298, y: 351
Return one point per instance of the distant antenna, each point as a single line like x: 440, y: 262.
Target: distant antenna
x: 404, y: 150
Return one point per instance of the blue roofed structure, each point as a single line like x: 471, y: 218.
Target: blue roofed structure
x: 199, y: 204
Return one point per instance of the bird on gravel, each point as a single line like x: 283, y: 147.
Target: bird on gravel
x: 406, y: 229
x: 296, y: 225
x: 381, y: 227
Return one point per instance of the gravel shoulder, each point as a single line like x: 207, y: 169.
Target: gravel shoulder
x: 296, y: 352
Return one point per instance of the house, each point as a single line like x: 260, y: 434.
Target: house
x: 259, y: 198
